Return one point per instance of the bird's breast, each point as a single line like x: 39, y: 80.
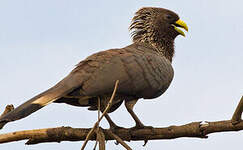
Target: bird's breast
x: 150, y: 74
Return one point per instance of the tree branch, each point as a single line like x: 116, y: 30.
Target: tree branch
x: 236, y: 118
x: 8, y: 108
x: 194, y: 129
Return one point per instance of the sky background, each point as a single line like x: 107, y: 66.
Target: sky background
x: 42, y: 40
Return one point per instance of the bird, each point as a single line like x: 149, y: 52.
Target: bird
x: 143, y: 68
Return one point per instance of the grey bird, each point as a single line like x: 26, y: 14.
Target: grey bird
x: 143, y: 68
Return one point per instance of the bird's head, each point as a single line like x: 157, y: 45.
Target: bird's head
x: 152, y: 21
x: 158, y: 27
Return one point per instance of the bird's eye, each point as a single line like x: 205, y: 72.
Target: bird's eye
x: 168, y: 17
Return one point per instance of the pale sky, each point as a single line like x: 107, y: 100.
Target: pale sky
x: 42, y: 40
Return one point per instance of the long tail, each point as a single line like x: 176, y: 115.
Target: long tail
x: 60, y: 89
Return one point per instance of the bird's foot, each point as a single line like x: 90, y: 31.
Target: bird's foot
x: 114, y: 128
x: 141, y: 126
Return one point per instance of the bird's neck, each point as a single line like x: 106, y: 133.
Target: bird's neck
x: 162, y: 47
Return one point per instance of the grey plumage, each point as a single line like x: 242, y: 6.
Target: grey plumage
x: 143, y: 69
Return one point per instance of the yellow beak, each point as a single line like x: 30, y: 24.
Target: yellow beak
x: 179, y: 23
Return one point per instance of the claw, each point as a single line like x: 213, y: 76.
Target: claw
x: 145, y: 142
x: 115, y: 127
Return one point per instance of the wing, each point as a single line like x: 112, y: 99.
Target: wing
x: 75, y: 80
x: 141, y: 72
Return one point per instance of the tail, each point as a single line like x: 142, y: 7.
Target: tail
x: 59, y: 90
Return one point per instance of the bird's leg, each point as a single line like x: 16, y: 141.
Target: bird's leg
x: 129, y: 105
x: 113, y: 126
x: 111, y: 123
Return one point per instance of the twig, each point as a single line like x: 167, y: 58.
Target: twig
x: 118, y: 139
x: 105, y: 111
x: 101, y: 139
x: 8, y: 108
x: 97, y: 130
x: 236, y: 118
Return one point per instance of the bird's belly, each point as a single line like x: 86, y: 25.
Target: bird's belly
x: 153, y: 93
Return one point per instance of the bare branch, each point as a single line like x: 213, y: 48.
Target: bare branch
x: 118, y: 139
x: 98, y: 126
x: 8, y: 108
x: 104, y: 113
x: 194, y: 129
x: 236, y: 118
x: 101, y: 139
